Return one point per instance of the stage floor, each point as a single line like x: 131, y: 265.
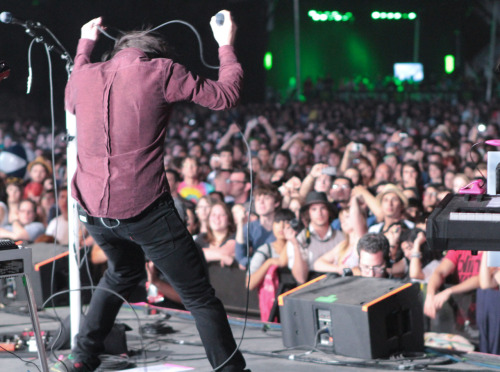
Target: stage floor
x: 180, y: 350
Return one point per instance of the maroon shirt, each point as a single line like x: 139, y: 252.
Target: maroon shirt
x: 122, y: 108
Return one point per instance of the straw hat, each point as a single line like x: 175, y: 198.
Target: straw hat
x: 41, y: 160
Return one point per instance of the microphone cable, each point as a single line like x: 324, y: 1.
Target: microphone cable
x: 248, y: 275
x: 196, y: 33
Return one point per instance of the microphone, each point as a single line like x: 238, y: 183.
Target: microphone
x: 7, y: 18
x: 219, y: 19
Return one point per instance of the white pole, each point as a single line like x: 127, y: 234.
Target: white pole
x: 74, y: 241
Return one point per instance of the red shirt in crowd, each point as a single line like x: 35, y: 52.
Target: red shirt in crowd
x: 466, y: 264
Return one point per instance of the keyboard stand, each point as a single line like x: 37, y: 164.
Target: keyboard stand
x: 18, y: 262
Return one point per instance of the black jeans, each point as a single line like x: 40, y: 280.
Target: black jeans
x: 159, y: 234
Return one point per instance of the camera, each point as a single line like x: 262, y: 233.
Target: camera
x: 297, y: 225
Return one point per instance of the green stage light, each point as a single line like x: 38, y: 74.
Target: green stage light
x: 268, y: 61
x: 449, y: 63
x: 334, y: 15
x: 393, y: 15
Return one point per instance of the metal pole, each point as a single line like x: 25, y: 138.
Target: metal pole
x: 416, y: 39
x: 35, y: 321
x: 75, y: 302
x: 491, y: 65
x: 296, y: 19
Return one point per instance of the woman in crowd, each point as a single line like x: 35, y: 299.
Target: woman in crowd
x: 46, y: 205
x: 202, y: 211
x: 14, y: 196
x: 271, y: 253
x: 38, y: 170
x: 411, y: 176
x: 344, y: 254
x: 218, y: 242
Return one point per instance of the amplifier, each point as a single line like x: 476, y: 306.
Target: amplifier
x: 354, y: 316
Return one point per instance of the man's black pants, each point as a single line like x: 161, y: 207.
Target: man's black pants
x: 159, y: 234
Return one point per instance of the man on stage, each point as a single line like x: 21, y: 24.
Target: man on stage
x: 122, y: 107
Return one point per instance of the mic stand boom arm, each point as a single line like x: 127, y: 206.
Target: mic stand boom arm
x: 33, y: 29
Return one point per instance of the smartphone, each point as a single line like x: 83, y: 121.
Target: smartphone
x: 331, y: 171
x: 356, y: 147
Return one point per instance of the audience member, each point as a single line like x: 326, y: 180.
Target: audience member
x: 239, y: 186
x: 422, y: 261
x: 58, y: 226
x: 344, y: 255
x: 25, y: 228
x: 392, y: 205
x: 267, y: 201
x: 316, y: 238
x: 14, y: 197
x: 271, y: 254
x: 373, y: 252
x: 202, y: 211
x: 464, y: 267
x: 218, y: 243
x: 191, y: 188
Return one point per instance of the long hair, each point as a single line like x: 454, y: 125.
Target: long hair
x: 231, y: 227
x: 151, y: 43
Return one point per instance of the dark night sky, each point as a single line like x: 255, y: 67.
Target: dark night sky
x: 65, y: 17
x: 444, y: 19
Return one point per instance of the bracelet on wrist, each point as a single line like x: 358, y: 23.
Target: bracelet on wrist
x: 416, y: 255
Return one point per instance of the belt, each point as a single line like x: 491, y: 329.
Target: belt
x: 115, y: 222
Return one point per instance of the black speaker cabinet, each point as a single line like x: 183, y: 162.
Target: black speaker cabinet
x: 354, y: 316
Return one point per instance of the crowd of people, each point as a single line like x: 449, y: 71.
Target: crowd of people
x: 294, y: 190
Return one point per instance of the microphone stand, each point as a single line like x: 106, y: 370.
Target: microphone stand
x: 33, y: 29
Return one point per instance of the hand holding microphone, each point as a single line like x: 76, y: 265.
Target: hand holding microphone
x: 223, y: 28
x: 90, y: 30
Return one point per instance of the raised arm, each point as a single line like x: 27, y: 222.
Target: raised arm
x: 370, y: 200
x: 226, y: 138
x: 308, y: 182
x: 224, y: 34
x: 357, y: 216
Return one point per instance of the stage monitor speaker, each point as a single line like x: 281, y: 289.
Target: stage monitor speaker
x: 360, y: 317
x: 45, y: 255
